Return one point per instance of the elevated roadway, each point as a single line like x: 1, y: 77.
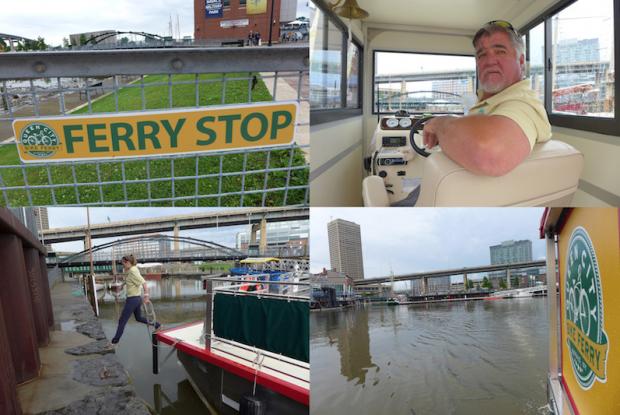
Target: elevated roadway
x: 213, y: 219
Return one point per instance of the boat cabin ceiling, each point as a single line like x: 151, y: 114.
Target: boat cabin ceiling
x: 455, y: 16
x: 343, y: 131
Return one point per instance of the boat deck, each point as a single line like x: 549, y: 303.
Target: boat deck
x: 284, y: 375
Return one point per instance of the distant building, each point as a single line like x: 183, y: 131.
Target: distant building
x: 345, y: 248
x: 342, y: 284
x: 434, y: 285
x: 283, y: 238
x: 235, y: 19
x: 510, y: 252
x: 570, y: 51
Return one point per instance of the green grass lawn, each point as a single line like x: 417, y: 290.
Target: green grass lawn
x: 183, y: 182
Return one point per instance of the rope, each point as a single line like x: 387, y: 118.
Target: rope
x: 259, y: 363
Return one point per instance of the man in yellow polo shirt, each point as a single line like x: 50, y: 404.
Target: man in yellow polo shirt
x: 501, y: 129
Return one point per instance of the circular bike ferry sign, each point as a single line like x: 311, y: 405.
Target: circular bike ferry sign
x: 584, y: 312
x: 39, y: 140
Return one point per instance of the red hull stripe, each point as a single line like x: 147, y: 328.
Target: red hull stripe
x: 280, y: 386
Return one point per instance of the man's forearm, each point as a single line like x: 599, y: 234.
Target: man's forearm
x: 487, y: 145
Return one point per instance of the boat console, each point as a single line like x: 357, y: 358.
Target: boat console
x: 403, y: 173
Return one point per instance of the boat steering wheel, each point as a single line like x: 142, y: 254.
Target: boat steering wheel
x: 417, y: 128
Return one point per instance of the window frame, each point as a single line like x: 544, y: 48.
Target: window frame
x: 374, y: 66
x: 608, y: 126
x: 320, y: 116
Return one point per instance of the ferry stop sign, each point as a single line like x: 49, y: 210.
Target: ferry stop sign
x: 173, y: 131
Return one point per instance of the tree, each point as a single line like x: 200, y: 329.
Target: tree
x: 39, y: 44
x: 124, y: 40
x: 82, y: 39
x: 65, y: 42
x: 470, y: 284
x: 502, y: 284
x: 486, y: 283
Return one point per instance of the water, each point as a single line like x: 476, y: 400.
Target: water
x: 483, y: 357
x: 175, y: 301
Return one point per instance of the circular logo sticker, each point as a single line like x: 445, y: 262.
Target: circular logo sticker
x: 39, y: 140
x: 584, y: 312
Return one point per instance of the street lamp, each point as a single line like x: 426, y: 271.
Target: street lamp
x: 271, y: 22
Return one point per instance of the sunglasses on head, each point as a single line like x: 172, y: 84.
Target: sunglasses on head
x: 500, y: 23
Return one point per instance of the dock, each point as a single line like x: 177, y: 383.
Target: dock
x: 77, y: 373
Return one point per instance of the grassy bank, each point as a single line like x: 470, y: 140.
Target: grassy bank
x: 157, y: 95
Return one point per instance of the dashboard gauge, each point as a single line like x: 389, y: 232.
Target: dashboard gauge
x: 405, y: 122
x: 392, y: 122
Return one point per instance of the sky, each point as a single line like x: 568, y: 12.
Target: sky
x: 61, y: 217
x: 55, y: 20
x: 425, y: 239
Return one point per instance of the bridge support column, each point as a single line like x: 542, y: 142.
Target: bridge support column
x: 253, y: 231
x: 262, y: 248
x: 86, y: 241
x: 508, y: 284
x: 465, y: 282
x: 176, y: 241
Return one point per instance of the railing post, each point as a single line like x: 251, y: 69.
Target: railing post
x: 155, y: 349
x: 208, y: 313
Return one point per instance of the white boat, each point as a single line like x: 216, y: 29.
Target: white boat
x: 537, y: 291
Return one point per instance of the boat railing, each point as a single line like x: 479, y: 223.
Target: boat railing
x: 290, y: 285
x: 231, y: 319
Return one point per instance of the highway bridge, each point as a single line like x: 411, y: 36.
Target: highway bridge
x: 208, y: 219
x: 425, y: 276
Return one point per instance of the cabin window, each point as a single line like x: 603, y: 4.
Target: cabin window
x: 326, y: 65
x: 335, y: 67
x: 578, y: 79
x: 353, y: 76
x: 536, y: 53
x: 421, y: 83
x: 583, y: 59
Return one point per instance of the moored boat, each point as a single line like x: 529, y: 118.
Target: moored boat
x: 251, y: 353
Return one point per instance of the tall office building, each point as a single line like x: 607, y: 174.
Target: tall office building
x: 42, y: 218
x: 345, y: 248
x: 510, y: 252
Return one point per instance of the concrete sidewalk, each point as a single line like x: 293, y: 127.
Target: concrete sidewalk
x: 286, y: 89
x: 78, y: 375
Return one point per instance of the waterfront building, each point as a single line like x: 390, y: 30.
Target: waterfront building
x: 331, y: 288
x: 231, y: 20
x: 345, y: 248
x: 510, y: 252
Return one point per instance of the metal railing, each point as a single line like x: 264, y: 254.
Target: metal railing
x: 37, y: 84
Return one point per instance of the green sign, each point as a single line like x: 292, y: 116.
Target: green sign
x: 586, y: 337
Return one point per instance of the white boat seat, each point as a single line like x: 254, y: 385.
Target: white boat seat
x: 549, y: 176
x: 374, y: 193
